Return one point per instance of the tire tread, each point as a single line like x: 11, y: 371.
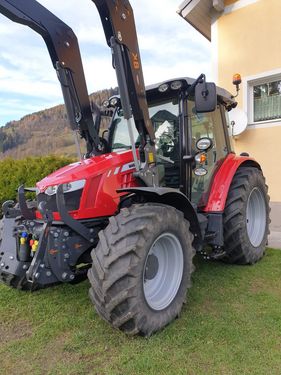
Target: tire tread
x: 115, y: 271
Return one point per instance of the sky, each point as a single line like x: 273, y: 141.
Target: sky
x: 169, y: 48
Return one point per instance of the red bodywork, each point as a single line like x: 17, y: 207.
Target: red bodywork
x: 222, y: 181
x: 107, y: 173
x: 104, y: 175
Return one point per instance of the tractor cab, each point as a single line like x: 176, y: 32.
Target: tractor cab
x: 190, y: 145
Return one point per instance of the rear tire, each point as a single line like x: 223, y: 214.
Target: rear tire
x: 142, y: 268
x: 246, y: 217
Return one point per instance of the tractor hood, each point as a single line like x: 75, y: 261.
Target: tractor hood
x: 87, y: 169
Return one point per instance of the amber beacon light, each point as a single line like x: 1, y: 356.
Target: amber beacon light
x: 236, y: 80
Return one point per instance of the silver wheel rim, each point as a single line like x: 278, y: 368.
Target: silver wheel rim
x: 256, y: 217
x: 163, y: 271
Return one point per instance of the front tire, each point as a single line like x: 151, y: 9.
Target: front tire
x: 142, y: 268
x: 18, y: 282
x: 246, y: 217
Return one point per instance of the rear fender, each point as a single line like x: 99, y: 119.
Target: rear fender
x: 170, y: 197
x: 222, y: 181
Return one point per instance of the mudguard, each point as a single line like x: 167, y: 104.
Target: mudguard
x: 222, y: 181
x: 171, y: 197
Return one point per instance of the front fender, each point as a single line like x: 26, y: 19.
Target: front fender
x: 222, y: 181
x: 170, y: 197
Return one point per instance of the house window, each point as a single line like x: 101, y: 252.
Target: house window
x: 267, y: 101
x: 263, y: 100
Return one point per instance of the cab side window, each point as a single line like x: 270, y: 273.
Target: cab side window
x: 165, y: 121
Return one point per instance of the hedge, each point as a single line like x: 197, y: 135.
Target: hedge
x: 28, y: 171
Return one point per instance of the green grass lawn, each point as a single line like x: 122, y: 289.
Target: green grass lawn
x: 230, y: 325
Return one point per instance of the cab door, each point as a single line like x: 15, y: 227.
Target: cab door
x: 211, y: 125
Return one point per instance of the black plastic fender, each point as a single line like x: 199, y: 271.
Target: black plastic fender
x: 171, y: 197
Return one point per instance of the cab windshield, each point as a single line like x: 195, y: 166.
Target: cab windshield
x: 165, y: 120
x: 164, y: 117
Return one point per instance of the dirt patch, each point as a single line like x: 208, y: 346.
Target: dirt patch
x: 18, y: 331
x: 54, y: 358
x: 56, y: 353
x: 260, y: 286
x: 257, y: 286
x: 208, y: 306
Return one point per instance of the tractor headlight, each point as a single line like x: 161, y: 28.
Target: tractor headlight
x: 67, y: 188
x: 176, y: 85
x: 114, y: 101
x: 163, y: 88
x: 73, y: 186
x: 51, y: 190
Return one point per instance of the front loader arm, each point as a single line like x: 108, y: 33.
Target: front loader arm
x: 64, y: 51
x: 120, y: 31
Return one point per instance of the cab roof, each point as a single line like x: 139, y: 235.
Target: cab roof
x: 224, y: 96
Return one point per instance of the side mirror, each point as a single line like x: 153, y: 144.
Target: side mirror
x: 205, y: 97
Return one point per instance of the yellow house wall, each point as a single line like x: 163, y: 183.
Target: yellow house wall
x: 264, y: 146
x: 249, y: 41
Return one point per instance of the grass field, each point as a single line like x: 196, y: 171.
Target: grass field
x: 230, y: 325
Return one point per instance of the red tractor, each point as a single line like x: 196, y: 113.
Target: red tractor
x: 131, y: 214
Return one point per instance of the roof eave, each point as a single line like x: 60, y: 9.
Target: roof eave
x: 199, y: 14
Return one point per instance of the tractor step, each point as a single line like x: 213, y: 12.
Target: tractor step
x: 215, y: 254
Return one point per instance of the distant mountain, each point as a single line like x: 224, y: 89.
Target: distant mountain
x: 44, y: 132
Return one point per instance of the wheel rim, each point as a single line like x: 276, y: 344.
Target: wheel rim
x: 163, y: 271
x: 256, y: 217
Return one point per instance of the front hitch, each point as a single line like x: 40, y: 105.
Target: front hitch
x: 38, y: 260
x: 42, y: 252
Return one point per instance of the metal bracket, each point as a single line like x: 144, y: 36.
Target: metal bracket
x: 26, y: 212
x: 32, y: 273
x: 9, y: 210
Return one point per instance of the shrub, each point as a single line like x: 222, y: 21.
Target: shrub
x: 28, y: 171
